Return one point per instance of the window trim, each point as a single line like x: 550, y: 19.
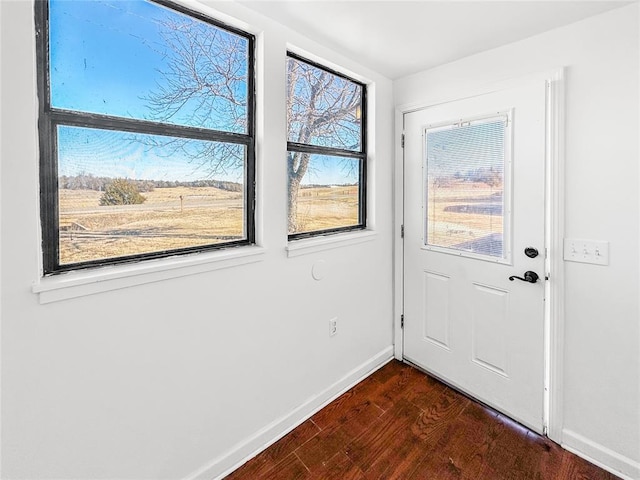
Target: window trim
x: 80, y: 283
x: 49, y: 118
x: 332, y: 151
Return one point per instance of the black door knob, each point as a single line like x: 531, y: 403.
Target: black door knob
x: 529, y: 276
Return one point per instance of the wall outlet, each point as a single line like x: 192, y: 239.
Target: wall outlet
x: 586, y: 251
x: 333, y: 326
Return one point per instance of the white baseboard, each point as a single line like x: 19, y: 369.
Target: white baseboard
x: 600, y: 455
x: 223, y: 465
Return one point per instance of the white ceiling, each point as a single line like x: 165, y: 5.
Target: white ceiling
x: 397, y: 38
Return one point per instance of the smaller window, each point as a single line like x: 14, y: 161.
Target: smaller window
x: 326, y: 119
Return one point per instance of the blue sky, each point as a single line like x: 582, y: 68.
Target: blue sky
x: 327, y: 170
x: 106, y: 56
x: 108, y: 153
x: 109, y: 56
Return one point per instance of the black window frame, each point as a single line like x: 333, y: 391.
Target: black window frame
x: 49, y: 118
x: 332, y: 151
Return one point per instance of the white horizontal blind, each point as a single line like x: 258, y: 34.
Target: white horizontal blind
x: 465, y: 186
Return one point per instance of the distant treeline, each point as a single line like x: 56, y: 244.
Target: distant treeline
x: 315, y: 185
x: 487, y: 175
x: 91, y: 182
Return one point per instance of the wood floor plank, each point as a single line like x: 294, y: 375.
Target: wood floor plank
x: 352, y: 411
x: 464, y: 448
x: 339, y: 467
x: 424, y: 391
x: 550, y: 456
x: 299, y: 436
x: 400, y: 424
x: 399, y: 461
x: 384, y: 436
x: 444, y: 409
x: 291, y: 468
x: 395, y: 382
x: 435, y: 466
x: 265, y: 461
x: 398, y: 456
x: 321, y: 448
x: 391, y: 371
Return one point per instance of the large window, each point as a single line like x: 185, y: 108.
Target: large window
x: 146, y: 132
x: 326, y: 150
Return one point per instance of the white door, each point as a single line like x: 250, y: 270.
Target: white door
x: 474, y: 216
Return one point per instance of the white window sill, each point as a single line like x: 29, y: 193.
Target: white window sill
x: 317, y: 244
x: 103, y: 279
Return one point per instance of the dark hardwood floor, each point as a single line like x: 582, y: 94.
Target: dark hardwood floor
x: 402, y: 424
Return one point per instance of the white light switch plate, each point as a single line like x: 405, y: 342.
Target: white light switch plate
x: 586, y: 251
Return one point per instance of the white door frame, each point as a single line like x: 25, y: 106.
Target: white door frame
x: 554, y: 234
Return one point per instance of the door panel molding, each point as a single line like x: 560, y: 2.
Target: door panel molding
x: 489, y: 351
x: 436, y: 308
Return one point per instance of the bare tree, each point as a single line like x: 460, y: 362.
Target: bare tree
x: 204, y: 84
x: 321, y: 110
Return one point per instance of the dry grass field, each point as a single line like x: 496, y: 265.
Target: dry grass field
x: 321, y: 208
x: 165, y: 221
x: 204, y: 216
x: 463, y: 212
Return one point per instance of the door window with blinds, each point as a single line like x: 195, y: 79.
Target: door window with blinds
x: 467, y: 176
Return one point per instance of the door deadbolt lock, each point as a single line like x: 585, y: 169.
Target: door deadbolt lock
x: 531, y: 252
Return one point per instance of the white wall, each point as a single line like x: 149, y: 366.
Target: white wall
x: 179, y: 378
x: 601, y: 408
